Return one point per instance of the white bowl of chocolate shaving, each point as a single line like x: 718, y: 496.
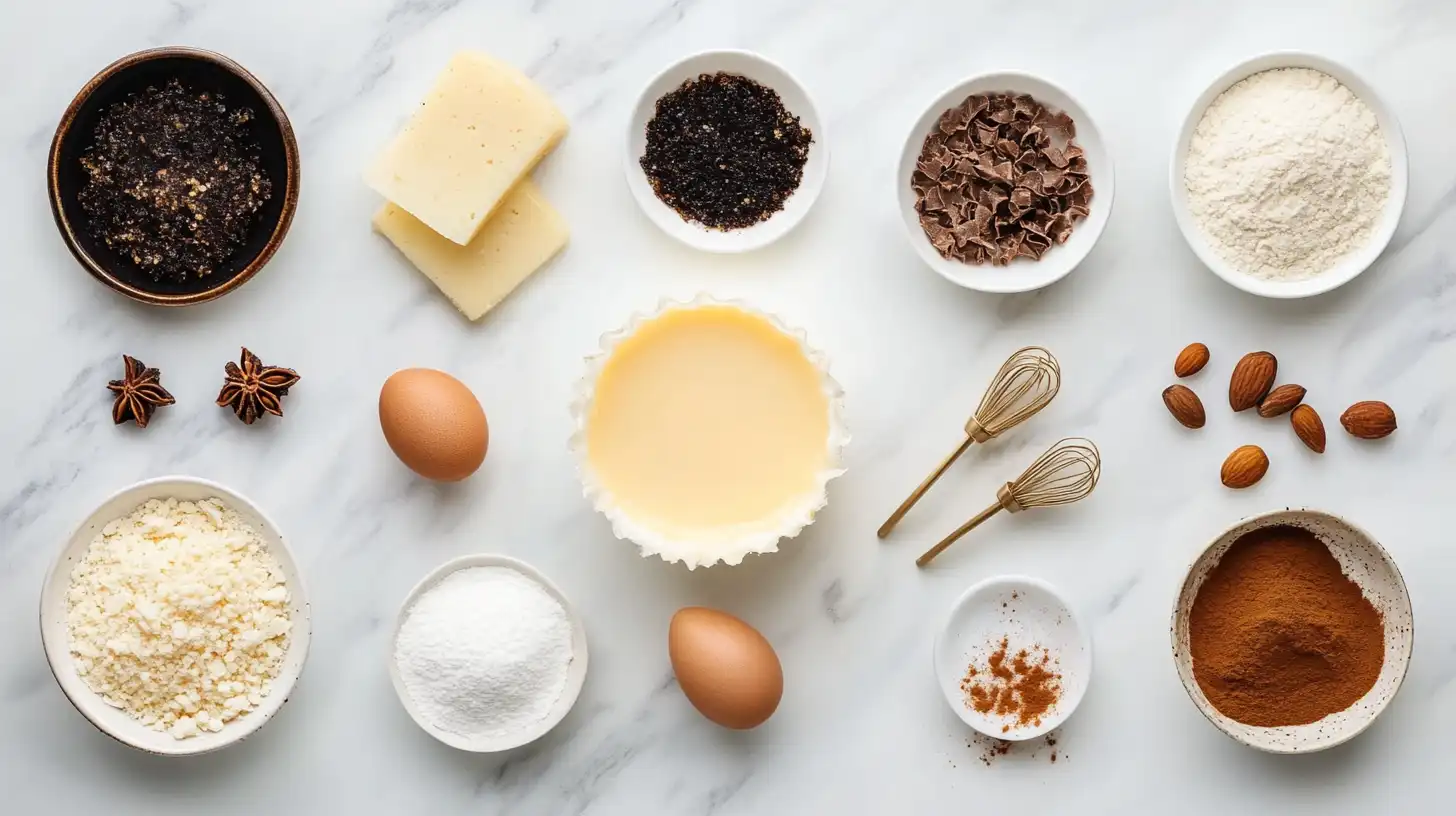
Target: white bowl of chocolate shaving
x: 1004, y: 183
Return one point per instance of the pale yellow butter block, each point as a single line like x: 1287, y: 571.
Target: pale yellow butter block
x: 524, y: 234
x: 483, y: 126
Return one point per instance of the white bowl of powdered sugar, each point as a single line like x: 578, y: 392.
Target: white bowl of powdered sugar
x: 1289, y: 175
x: 488, y: 654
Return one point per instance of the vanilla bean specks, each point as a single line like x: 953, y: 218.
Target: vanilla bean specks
x: 723, y: 151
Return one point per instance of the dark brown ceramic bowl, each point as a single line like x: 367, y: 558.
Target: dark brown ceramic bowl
x: 198, y: 69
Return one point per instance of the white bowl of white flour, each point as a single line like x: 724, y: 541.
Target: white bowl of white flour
x: 487, y: 654
x: 1289, y: 175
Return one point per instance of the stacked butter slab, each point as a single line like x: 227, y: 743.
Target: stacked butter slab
x: 461, y: 205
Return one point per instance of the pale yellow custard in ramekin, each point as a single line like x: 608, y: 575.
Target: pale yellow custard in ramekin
x: 708, y: 431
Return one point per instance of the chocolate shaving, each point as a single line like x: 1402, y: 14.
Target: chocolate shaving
x: 1062, y: 123
x: 954, y: 119
x: 1001, y: 178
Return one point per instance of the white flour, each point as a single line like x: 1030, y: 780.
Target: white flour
x: 1287, y: 173
x: 485, y: 652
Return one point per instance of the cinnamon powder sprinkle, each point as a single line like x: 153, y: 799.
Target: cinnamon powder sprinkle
x: 1019, y: 687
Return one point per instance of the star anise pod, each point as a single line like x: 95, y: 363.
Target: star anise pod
x: 252, y: 388
x: 139, y: 393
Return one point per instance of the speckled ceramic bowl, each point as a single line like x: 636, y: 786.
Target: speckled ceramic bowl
x: 1371, y: 568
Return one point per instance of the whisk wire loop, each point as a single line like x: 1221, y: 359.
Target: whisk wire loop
x: 1066, y: 473
x: 1024, y: 384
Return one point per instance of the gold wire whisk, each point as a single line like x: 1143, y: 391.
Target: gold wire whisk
x: 1066, y: 473
x: 1025, y: 384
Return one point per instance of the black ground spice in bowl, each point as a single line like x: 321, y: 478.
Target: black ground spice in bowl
x: 174, y: 176
x: 174, y: 180
x: 723, y: 151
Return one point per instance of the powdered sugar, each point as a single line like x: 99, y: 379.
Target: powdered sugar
x: 1287, y: 173
x: 485, y: 653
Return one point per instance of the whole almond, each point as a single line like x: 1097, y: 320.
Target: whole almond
x: 1184, y: 405
x: 1244, y: 467
x: 1252, y: 378
x: 1281, y: 400
x: 1308, y: 427
x: 1191, y: 360
x: 1369, y: 420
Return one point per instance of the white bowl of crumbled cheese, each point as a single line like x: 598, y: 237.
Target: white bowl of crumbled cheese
x: 175, y: 618
x: 1289, y: 175
x: 487, y: 654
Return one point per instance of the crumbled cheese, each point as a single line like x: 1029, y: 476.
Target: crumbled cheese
x: 178, y: 615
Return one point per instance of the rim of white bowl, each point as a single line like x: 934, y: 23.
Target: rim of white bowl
x: 1183, y: 662
x: 766, y: 72
x: 1022, y: 275
x: 1065, y: 706
x: 118, y: 724
x: 1354, y: 264
x: 576, y: 676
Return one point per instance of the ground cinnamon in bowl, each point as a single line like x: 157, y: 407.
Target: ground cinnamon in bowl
x: 1279, y: 635
x: 1020, y: 687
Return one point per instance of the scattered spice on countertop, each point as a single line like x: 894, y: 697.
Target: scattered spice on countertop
x: 1000, y: 177
x: 723, y: 151
x: 993, y: 748
x: 139, y: 393
x: 1279, y: 635
x: 1019, y: 687
x: 175, y: 181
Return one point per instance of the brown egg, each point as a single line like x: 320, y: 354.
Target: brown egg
x: 727, y: 670
x: 433, y: 424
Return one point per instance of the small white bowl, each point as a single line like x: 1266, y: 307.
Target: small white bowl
x: 1026, y: 611
x: 1022, y: 274
x: 1358, y: 261
x: 1371, y: 568
x: 576, y: 675
x: 56, y: 639
x: 796, y: 100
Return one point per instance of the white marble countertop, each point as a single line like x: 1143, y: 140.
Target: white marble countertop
x: 862, y: 728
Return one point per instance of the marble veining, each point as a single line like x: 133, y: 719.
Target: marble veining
x: 862, y: 728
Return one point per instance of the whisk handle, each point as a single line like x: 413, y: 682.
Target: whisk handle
x: 905, y: 506
x: 931, y: 553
